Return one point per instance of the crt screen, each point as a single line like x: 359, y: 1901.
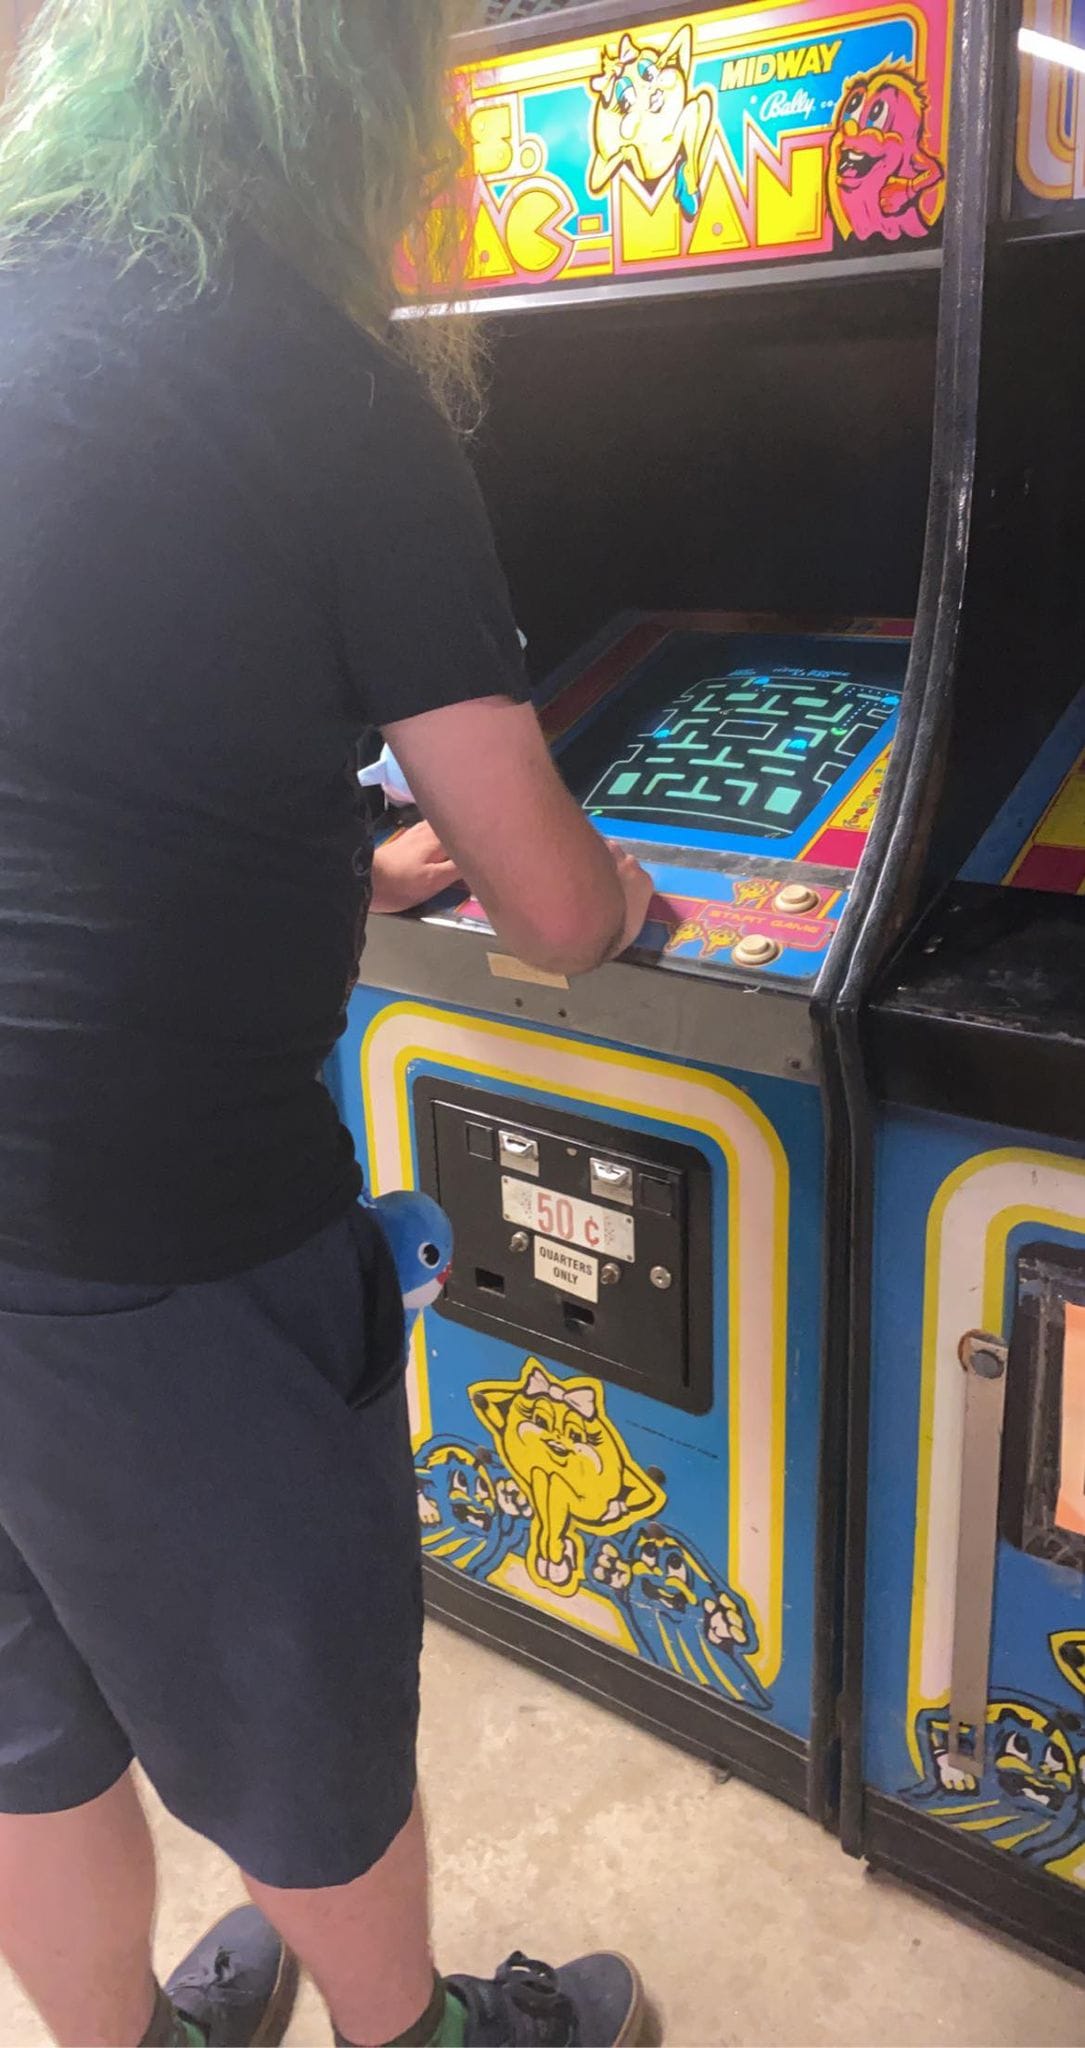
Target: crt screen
x: 736, y: 733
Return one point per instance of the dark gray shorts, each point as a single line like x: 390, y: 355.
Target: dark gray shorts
x: 209, y: 1554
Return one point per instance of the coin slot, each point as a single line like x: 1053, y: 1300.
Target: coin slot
x: 611, y: 1182
x: 519, y: 1154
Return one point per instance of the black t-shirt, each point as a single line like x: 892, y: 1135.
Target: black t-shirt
x: 234, y: 534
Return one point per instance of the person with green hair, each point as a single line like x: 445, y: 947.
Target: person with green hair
x: 238, y: 534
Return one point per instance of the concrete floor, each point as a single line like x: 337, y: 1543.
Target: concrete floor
x: 571, y: 1830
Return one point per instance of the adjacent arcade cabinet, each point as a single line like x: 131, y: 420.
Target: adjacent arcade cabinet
x: 966, y: 1698
x: 708, y: 248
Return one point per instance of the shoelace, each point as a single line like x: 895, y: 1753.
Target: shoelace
x: 217, y: 1979
x: 523, y: 2007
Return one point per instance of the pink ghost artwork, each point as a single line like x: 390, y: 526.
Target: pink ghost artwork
x: 883, y: 180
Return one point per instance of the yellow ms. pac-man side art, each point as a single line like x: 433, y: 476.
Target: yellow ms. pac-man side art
x: 554, y: 1437
x: 1029, y: 1798
x: 555, y: 1510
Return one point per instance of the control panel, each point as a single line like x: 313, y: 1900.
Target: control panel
x: 725, y: 919
x: 742, y: 762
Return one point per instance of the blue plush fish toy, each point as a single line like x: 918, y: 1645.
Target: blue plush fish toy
x: 419, y: 1237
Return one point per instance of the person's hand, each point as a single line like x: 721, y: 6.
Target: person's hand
x: 410, y: 869
x: 638, y: 889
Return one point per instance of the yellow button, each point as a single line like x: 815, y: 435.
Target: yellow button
x: 797, y: 900
x: 755, y: 951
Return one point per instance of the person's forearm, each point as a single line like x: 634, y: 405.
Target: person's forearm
x: 377, y: 889
x: 560, y: 950
x: 408, y: 869
x: 382, y: 901
x: 482, y: 773
x: 577, y: 921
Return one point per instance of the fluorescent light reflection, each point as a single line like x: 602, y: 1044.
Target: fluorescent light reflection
x: 1050, y: 49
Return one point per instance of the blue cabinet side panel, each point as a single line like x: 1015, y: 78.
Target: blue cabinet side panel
x: 957, y: 1204
x: 658, y: 1584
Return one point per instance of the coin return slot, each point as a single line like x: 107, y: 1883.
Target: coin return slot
x: 489, y: 1283
x: 576, y: 1317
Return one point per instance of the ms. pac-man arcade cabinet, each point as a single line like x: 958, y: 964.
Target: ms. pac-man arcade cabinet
x: 708, y: 245
x: 965, y: 1703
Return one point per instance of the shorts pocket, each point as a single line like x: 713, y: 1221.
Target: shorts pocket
x: 51, y: 1297
x: 382, y: 1354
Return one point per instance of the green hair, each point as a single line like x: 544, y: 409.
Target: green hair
x: 156, y: 128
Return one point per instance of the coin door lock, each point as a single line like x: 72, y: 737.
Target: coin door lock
x: 983, y: 1354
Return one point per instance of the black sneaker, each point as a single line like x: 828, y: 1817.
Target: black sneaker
x: 594, y: 2003
x: 238, y: 1985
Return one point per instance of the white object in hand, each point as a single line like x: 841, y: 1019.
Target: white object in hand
x: 386, y: 774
